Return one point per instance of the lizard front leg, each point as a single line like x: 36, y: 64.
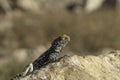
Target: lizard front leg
x: 28, y: 69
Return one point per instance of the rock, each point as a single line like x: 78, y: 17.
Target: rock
x: 92, y: 5
x: 29, y: 5
x: 41, y: 6
x: 103, y: 67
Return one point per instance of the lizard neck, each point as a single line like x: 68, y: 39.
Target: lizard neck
x: 56, y: 49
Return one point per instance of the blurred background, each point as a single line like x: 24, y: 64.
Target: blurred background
x: 27, y: 28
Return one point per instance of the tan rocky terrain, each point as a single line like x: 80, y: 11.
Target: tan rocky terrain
x: 102, y: 67
x: 28, y: 26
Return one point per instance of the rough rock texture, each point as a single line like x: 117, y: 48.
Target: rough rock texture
x: 102, y: 67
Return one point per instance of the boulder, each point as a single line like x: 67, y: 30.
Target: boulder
x: 102, y: 67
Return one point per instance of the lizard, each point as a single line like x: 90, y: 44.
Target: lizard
x: 51, y: 55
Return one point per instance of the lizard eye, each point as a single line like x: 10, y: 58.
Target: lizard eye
x: 61, y: 41
x: 65, y: 37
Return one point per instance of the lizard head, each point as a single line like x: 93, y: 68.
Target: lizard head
x: 60, y: 42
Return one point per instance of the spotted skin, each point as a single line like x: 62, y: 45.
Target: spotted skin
x: 51, y: 55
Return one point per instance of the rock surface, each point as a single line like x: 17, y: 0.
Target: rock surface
x: 102, y: 67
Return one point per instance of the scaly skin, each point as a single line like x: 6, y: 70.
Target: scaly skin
x: 51, y: 55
